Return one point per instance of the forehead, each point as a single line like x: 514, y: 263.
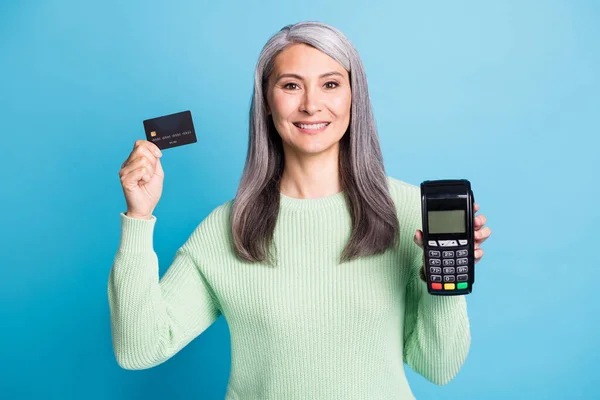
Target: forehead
x: 305, y: 60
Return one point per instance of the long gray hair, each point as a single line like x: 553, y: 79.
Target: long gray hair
x: 362, y: 174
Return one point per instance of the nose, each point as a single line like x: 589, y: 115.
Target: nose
x: 311, y: 101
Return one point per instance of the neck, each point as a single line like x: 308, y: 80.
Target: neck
x: 312, y: 176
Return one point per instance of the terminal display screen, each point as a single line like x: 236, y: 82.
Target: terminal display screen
x: 448, y: 221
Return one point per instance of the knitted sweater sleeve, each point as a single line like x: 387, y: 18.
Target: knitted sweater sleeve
x: 153, y: 319
x: 437, y: 334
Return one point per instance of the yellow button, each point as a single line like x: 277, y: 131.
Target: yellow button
x: 449, y: 286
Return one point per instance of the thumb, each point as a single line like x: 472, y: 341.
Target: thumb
x: 418, y: 238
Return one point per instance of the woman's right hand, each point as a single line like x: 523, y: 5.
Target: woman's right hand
x: 142, y: 179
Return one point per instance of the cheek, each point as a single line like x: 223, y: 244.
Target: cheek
x: 280, y: 109
x: 283, y: 104
x: 341, y: 105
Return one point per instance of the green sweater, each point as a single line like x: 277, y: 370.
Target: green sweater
x: 306, y: 329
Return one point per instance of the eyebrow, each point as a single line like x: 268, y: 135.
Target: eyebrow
x: 301, y: 78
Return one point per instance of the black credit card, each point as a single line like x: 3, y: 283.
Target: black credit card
x: 171, y: 130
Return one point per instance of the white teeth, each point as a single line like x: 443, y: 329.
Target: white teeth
x: 313, y: 126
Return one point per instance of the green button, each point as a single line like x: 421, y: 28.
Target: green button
x: 462, y: 285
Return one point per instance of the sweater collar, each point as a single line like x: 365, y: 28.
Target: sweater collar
x: 294, y: 204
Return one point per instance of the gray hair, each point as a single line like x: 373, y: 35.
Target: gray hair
x: 362, y: 174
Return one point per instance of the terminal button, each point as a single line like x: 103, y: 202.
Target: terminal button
x: 448, y: 270
x: 435, y: 261
x: 448, y: 263
x: 447, y: 254
x: 435, y: 270
x: 448, y: 243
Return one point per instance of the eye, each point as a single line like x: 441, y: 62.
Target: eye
x: 334, y: 83
x: 288, y: 84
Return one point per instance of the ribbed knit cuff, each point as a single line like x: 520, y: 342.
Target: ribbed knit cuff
x: 440, y: 304
x: 136, y: 234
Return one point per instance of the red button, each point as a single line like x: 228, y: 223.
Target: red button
x: 436, y: 286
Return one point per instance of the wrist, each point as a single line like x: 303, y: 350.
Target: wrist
x: 136, y: 216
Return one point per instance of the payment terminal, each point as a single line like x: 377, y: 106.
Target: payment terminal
x: 448, y: 236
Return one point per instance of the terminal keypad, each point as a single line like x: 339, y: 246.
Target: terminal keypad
x: 448, y: 264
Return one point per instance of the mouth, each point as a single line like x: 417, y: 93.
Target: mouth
x: 311, y: 128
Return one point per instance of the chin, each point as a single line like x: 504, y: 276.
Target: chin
x: 307, y: 148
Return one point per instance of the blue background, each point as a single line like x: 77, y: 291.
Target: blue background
x: 505, y: 94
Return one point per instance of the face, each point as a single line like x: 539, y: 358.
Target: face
x: 309, y: 98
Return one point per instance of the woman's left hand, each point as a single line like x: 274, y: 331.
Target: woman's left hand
x: 481, y: 234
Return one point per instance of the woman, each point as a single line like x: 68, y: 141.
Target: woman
x: 314, y: 264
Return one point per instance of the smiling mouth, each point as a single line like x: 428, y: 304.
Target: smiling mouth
x: 312, y: 126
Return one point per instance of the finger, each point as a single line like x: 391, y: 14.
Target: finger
x: 147, y: 144
x: 480, y: 220
x: 134, y: 152
x: 483, y: 233
x: 140, y: 152
x: 135, y: 164
x: 145, y: 150
x: 475, y: 207
x: 143, y: 147
x: 152, y: 148
x: 133, y: 177
x: 159, y: 171
x: 478, y: 254
x: 141, y: 162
